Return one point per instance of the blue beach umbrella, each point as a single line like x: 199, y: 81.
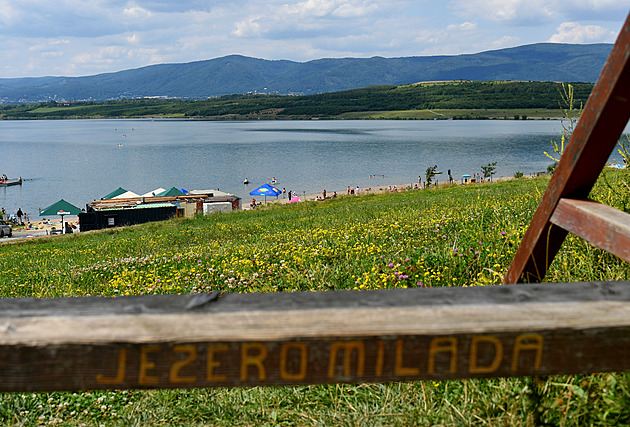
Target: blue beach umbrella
x: 266, y: 190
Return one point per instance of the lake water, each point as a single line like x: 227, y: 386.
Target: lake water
x: 82, y: 160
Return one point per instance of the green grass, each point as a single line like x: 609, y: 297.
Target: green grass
x: 453, y: 236
x: 463, y: 114
x: 49, y: 110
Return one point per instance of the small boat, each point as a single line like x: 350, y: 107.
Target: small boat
x: 10, y: 182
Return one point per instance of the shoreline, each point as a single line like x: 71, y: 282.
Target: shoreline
x: 43, y: 227
x: 378, y: 189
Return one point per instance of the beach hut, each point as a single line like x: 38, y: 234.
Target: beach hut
x: 266, y: 190
x: 60, y: 208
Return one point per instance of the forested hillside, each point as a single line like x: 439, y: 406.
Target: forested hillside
x: 237, y: 74
x: 427, y: 96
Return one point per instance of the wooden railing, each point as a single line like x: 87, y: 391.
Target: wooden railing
x: 173, y: 341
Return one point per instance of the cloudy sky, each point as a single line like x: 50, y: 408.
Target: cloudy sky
x: 79, y: 37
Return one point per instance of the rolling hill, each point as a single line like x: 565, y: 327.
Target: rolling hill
x: 237, y: 74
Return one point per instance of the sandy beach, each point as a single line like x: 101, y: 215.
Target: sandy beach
x: 43, y: 227
x: 378, y: 189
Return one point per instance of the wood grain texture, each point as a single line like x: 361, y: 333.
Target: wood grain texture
x: 601, y: 225
x: 309, y: 338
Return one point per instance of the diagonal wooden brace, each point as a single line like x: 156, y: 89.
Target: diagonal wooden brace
x: 604, y: 117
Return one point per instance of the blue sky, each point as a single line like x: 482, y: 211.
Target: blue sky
x: 79, y: 37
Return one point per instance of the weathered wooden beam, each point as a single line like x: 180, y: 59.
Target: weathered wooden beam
x: 599, y: 224
x: 604, y: 117
x: 311, y: 338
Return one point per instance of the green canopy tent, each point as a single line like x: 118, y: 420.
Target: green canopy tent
x: 60, y: 208
x: 173, y: 191
x: 116, y: 192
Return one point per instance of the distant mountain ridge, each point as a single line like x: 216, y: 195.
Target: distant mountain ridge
x: 236, y: 74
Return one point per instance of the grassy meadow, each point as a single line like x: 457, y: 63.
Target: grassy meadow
x: 451, y: 236
x: 462, y: 114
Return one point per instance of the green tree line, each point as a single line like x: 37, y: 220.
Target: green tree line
x: 423, y: 96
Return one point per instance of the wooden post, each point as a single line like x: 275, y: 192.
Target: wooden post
x: 179, y: 341
x: 604, y: 117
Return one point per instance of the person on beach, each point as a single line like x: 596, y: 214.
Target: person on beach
x: 284, y: 192
x: 19, y: 215
x: 289, y: 195
x: 324, y: 194
x: 253, y: 203
x: 348, y: 190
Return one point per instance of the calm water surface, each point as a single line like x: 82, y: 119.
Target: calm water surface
x: 82, y: 160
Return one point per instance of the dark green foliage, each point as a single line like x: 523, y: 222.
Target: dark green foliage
x: 446, y: 95
x: 430, y: 173
x: 489, y: 170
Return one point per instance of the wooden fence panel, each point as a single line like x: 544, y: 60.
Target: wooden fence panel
x: 313, y: 338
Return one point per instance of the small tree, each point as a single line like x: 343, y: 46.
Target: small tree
x: 431, y: 172
x: 571, y: 116
x: 489, y: 170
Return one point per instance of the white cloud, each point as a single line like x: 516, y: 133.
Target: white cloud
x: 136, y: 12
x: 247, y: 27
x: 350, y: 10
x: 48, y: 44
x: 505, y: 41
x: 309, y: 17
x: 7, y: 12
x: 133, y: 38
x: 573, y: 32
x: 519, y: 12
x: 464, y: 26
x: 52, y: 54
x: 605, y: 10
x: 538, y: 12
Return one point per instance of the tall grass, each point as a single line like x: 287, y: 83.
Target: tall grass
x: 453, y: 236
